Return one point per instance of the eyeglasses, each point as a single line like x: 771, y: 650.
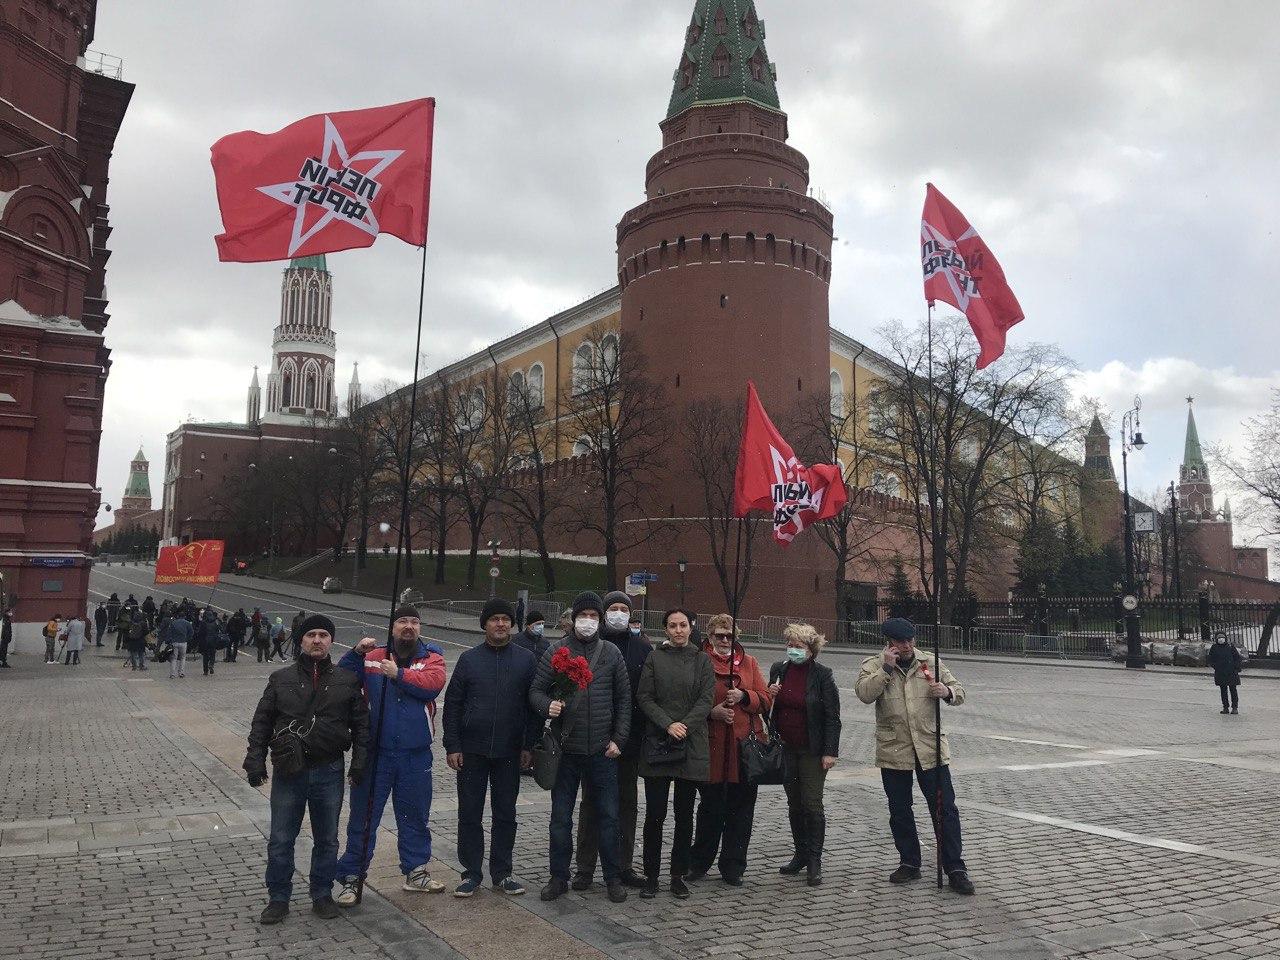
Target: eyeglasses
x: 722, y: 636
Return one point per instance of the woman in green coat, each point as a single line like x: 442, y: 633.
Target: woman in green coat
x: 677, y: 685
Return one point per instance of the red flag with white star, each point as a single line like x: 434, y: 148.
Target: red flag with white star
x: 329, y: 182
x: 769, y: 477
x: 960, y: 269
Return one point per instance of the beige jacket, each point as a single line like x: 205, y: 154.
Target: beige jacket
x: 905, y: 726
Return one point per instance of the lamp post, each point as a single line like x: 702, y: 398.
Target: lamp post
x: 1130, y: 438
x: 1177, y: 558
x: 494, y: 546
x: 682, y: 564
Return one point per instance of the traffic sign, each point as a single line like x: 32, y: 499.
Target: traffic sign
x: 494, y: 572
x: 635, y: 589
x: 643, y: 577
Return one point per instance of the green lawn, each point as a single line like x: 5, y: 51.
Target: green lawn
x: 377, y: 577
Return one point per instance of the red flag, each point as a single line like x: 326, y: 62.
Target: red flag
x: 329, y: 182
x: 961, y: 270
x: 199, y: 562
x: 770, y: 478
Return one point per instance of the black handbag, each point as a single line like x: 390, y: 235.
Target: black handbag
x: 762, y: 759
x: 549, y: 752
x: 661, y: 749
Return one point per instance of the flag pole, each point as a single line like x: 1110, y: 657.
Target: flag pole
x: 376, y: 740
x: 935, y: 612
x: 737, y: 589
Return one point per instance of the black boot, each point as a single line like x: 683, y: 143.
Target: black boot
x: 800, y: 837
x: 817, y: 836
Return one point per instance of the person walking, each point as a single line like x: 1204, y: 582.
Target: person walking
x: 635, y: 649
x: 408, y: 678
x: 325, y: 709
x: 123, y: 616
x: 726, y: 805
x: 675, y: 695
x: 520, y: 611
x: 806, y: 710
x: 73, y: 632
x: 591, y: 733
x: 6, y: 637
x: 113, y: 611
x: 177, y: 633
x: 135, y: 641
x: 51, y: 628
x: 260, y: 637
x: 279, y: 637
x: 903, y: 683
x: 489, y: 734
x: 237, y: 626
x: 295, y: 638
x: 100, y: 622
x: 208, y: 637
x: 149, y: 611
x: 1226, y: 661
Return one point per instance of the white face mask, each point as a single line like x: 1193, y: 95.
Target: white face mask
x: 617, y: 619
x: 585, y: 627
x: 535, y: 629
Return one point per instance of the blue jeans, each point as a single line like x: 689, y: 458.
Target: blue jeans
x: 500, y: 778
x: 405, y: 777
x: 902, y: 821
x: 320, y: 790
x: 599, y: 778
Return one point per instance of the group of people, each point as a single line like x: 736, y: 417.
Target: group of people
x: 673, y: 715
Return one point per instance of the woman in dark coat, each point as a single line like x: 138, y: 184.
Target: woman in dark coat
x: 1226, y: 662
x: 675, y: 694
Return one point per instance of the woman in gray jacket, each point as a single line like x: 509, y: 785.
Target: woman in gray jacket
x: 676, y: 689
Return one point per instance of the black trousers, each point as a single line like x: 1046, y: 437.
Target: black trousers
x: 277, y: 648
x: 1234, y: 695
x: 902, y: 821
x: 262, y: 652
x: 210, y: 657
x: 588, y: 842
x: 657, y: 790
x: 725, y: 815
x: 500, y: 778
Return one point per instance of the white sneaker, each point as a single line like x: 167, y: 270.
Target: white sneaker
x: 346, y: 896
x: 419, y: 881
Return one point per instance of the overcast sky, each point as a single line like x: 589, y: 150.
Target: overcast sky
x: 1119, y: 159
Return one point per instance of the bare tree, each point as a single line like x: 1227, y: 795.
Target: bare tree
x: 617, y: 413
x: 366, y: 462
x: 531, y: 499
x: 390, y: 423
x: 1255, y: 472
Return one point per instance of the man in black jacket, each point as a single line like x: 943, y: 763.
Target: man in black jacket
x: 531, y: 637
x: 100, y: 623
x: 593, y: 727
x: 329, y: 707
x: 635, y: 648
x: 489, y: 733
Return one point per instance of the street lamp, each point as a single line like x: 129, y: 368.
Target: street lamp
x: 493, y: 545
x: 1130, y: 439
x: 682, y: 564
x: 1177, y: 557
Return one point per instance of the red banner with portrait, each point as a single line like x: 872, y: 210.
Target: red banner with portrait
x: 198, y: 562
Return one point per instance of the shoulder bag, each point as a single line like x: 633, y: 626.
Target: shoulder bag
x: 548, y: 753
x: 761, y: 759
x: 289, y: 744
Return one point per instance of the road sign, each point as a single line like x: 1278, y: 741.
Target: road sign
x: 635, y: 589
x: 643, y: 577
x: 494, y: 571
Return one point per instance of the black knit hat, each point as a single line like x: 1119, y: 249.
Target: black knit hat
x: 405, y: 610
x: 317, y: 621
x: 497, y: 606
x: 588, y: 600
x: 898, y: 628
x: 535, y: 616
x: 615, y: 596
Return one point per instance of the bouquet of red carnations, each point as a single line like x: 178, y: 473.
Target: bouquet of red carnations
x: 571, y: 674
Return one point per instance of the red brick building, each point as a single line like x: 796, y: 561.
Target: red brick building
x: 58, y: 123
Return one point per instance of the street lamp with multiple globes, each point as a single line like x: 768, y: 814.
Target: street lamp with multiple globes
x: 1130, y: 439
x: 682, y: 564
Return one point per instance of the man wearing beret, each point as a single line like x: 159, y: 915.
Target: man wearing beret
x: 489, y: 733
x: 904, y: 683
x: 326, y: 707
x: 408, y: 674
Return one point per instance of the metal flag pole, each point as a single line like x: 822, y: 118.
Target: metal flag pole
x: 376, y: 740
x: 935, y: 609
x: 737, y: 589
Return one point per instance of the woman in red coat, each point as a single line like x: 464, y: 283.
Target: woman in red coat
x: 727, y: 807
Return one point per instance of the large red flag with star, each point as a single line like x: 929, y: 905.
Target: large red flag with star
x: 329, y: 182
x: 770, y: 478
x: 960, y: 269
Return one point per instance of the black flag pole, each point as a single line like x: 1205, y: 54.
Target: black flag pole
x: 936, y: 608
x: 411, y: 427
x: 737, y: 590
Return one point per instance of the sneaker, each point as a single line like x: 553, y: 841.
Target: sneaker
x: 1224, y: 710
x: 326, y: 909
x: 1235, y: 710
x: 510, y: 886
x: 554, y: 890
x: 276, y: 911
x: 581, y: 881
x: 904, y: 874
x: 419, y: 881
x: 961, y: 883
x: 466, y: 888
x: 617, y: 892
x: 679, y: 889
x: 347, y: 892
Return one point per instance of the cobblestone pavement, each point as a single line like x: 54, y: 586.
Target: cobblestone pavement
x: 1107, y: 816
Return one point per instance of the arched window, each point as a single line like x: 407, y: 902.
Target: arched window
x: 609, y: 357
x: 688, y: 72
x: 310, y: 386
x: 720, y: 62
x: 517, y: 392
x: 476, y: 411
x: 583, y: 363
x: 313, y: 304
x: 722, y: 22
x: 581, y: 447
x: 286, y: 385
x: 537, y: 381
x: 837, y: 394
x: 757, y: 65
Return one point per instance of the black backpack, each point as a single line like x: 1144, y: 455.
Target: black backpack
x: 137, y: 629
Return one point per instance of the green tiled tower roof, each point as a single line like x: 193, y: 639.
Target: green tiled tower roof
x: 724, y: 58
x: 309, y: 263
x: 1191, y: 454
x: 139, y: 484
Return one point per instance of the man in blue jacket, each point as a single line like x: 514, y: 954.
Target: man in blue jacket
x: 410, y: 676
x: 489, y: 732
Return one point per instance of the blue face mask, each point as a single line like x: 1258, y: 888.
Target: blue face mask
x: 635, y: 631
x: 535, y: 629
x: 795, y: 655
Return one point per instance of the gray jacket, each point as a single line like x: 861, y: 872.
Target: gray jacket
x: 604, y: 710
x: 677, y: 685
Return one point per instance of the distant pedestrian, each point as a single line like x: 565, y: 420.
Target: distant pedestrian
x: 149, y: 611
x: 100, y: 622
x: 135, y: 641
x: 209, y: 638
x: 236, y: 628
x: 279, y: 637
x: 122, y: 627
x: 520, y: 611
x: 6, y: 637
x: 51, y: 628
x: 73, y: 632
x: 531, y: 637
x: 1226, y: 661
x: 113, y: 611
x: 295, y: 636
x: 177, y: 633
